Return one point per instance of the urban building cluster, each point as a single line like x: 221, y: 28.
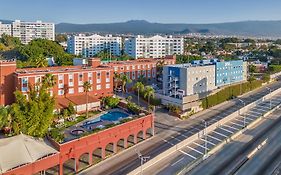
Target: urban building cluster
x: 136, y: 47
x: 182, y: 82
x: 89, y: 46
x: 27, y: 31
x: 70, y: 79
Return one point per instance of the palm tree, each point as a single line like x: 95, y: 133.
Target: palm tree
x: 87, y: 86
x: 41, y: 61
x: 49, y: 81
x: 159, y: 68
x: 117, y: 78
x: 125, y: 79
x: 140, y: 87
x: 148, y: 93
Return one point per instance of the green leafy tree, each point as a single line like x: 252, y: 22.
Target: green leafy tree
x: 40, y: 61
x: 4, y: 116
x: 33, y: 115
x: 49, y: 81
x: 111, y: 102
x: 61, y: 38
x: 87, y: 86
x: 46, y: 48
x: 70, y: 109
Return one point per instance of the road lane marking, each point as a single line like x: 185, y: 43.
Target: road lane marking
x: 226, y: 130
x: 187, y: 154
x: 177, y: 161
x: 209, y: 142
x: 194, y: 150
x: 255, y: 112
x: 200, y: 145
x: 237, y: 124
x: 214, y: 138
x: 231, y: 127
x: 220, y: 134
x: 167, y: 141
x: 176, y: 138
x: 242, y: 120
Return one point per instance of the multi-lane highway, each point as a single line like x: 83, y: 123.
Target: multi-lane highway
x: 170, y: 133
x: 197, y: 149
x: 257, y: 151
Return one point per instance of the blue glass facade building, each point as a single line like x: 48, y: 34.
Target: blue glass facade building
x: 228, y: 72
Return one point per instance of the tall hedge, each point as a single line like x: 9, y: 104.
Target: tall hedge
x: 229, y: 93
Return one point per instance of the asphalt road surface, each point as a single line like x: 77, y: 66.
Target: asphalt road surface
x: 169, y: 132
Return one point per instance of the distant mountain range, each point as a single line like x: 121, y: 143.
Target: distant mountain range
x: 244, y: 28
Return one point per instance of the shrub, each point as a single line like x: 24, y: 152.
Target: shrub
x: 229, y: 93
x: 133, y: 107
x: 111, y: 102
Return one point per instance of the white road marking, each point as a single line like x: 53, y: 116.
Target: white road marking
x: 187, y: 154
x: 220, y: 134
x: 200, y: 145
x: 226, y: 130
x: 237, y: 124
x: 231, y: 127
x: 214, y: 138
x: 175, y: 138
x: 168, y: 142
x: 177, y: 161
x: 194, y: 150
x: 209, y: 142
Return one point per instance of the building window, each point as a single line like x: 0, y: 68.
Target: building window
x: 61, y: 92
x: 90, y: 77
x: 128, y: 67
x: 98, y: 87
x: 98, y: 77
x: 133, y: 67
x: 70, y: 80
x: 107, y: 86
x: 80, y: 79
x: 71, y: 90
x: 107, y: 77
x: 24, y: 84
x: 80, y: 89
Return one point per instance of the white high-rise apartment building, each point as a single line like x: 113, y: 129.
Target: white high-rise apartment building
x: 27, y: 31
x: 89, y: 46
x: 153, y: 47
x: 5, y: 29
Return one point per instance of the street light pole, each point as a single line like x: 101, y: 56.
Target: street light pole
x: 244, y: 104
x: 270, y: 96
x: 142, y: 159
x: 205, y: 135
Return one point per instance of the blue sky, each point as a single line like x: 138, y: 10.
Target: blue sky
x: 164, y: 11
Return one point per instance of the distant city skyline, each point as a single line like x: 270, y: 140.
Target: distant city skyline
x: 162, y: 11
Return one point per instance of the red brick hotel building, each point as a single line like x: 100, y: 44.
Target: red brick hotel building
x: 70, y: 79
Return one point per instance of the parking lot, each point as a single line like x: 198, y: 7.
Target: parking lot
x: 198, y: 148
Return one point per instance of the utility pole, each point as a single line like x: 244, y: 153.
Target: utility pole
x: 244, y: 104
x: 270, y: 96
x: 142, y: 159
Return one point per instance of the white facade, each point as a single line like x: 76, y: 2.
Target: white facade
x: 27, y: 31
x: 185, y: 79
x: 5, y: 29
x: 153, y: 47
x: 89, y: 46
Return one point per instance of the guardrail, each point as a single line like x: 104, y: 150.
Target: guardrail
x: 198, y: 134
x: 227, y: 140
